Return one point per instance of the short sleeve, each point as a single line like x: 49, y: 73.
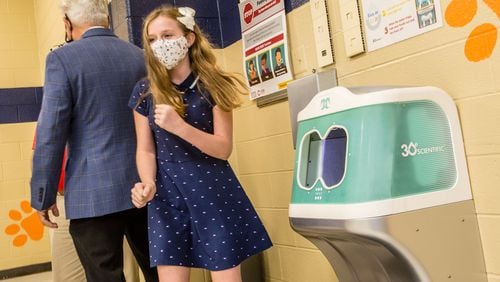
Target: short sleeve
x: 207, y: 97
x: 137, y: 101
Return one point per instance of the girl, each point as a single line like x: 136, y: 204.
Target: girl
x: 199, y: 215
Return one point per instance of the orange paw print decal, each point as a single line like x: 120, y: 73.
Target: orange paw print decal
x: 483, y: 38
x: 28, y: 225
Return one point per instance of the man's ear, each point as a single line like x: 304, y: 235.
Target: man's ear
x: 67, y: 24
x: 191, y: 37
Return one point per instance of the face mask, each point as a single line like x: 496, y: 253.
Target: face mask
x: 170, y: 51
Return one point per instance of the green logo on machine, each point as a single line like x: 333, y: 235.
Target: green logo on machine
x: 412, y: 149
x: 325, y: 103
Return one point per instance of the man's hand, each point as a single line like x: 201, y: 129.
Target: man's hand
x: 142, y: 193
x: 45, y: 217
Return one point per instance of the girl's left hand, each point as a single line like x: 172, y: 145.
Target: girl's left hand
x: 142, y: 193
x: 167, y: 118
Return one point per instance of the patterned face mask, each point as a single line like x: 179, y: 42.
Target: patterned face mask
x: 170, y: 51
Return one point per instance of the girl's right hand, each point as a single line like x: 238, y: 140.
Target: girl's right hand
x: 167, y: 118
x: 142, y: 193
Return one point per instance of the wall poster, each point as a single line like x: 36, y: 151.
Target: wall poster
x: 265, y: 47
x: 389, y: 21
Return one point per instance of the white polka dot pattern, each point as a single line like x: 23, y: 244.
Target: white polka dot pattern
x: 200, y: 216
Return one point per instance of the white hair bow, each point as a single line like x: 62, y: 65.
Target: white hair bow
x: 187, y: 17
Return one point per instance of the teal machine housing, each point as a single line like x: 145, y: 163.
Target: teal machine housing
x: 381, y: 185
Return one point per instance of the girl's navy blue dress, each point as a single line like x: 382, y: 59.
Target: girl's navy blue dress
x: 200, y: 215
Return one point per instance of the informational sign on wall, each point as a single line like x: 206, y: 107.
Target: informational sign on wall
x: 389, y: 21
x: 265, y: 46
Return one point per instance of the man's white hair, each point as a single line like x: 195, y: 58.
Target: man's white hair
x: 86, y: 12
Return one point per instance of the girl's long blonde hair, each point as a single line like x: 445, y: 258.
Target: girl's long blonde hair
x: 223, y: 86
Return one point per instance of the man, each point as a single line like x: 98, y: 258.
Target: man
x: 87, y: 86
x: 265, y: 73
x: 280, y: 67
x: 66, y: 265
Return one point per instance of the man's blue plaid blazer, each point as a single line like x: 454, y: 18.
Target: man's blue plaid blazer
x: 86, y: 91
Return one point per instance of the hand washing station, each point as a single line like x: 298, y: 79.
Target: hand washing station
x: 381, y: 186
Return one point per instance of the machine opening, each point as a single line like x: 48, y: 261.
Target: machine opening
x: 309, y: 166
x: 334, y: 157
x: 323, y: 158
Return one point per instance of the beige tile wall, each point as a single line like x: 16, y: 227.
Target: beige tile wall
x: 18, y: 49
x: 49, y: 27
x: 15, y: 172
x: 19, y: 67
x: 263, y: 135
x: 263, y: 155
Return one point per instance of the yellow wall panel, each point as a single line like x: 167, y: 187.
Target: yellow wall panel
x: 252, y: 123
x: 4, y: 6
x: 269, y: 190
x: 19, y: 67
x: 272, y: 263
x: 493, y: 278
x: 220, y: 57
x: 430, y: 68
x: 233, y: 58
x: 20, y: 6
x: 281, y: 188
x: 23, y: 42
x: 7, y: 62
x: 490, y: 233
x: 479, y: 119
x: 6, y: 45
x: 24, y: 260
x: 485, y: 177
x: 258, y: 188
x: 495, y: 58
x: 276, y: 222
x: 34, y: 250
x: 19, y: 63
x: 21, y: 23
x: 10, y: 152
x: 300, y: 265
x: 435, y: 58
x: 25, y: 59
x: 4, y: 23
x: 269, y: 154
x: 27, y: 77
x: 16, y: 170
x: 263, y: 154
x: 6, y: 77
x: 22, y: 132
x: 13, y: 190
x: 233, y: 161
x: 27, y: 187
x: 26, y: 150
x: 302, y: 242
x: 50, y: 28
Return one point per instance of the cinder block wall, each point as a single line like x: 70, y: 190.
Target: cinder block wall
x: 263, y: 141
x: 263, y: 155
x: 19, y: 68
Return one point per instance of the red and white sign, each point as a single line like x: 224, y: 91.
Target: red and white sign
x: 248, y: 13
x: 265, y: 47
